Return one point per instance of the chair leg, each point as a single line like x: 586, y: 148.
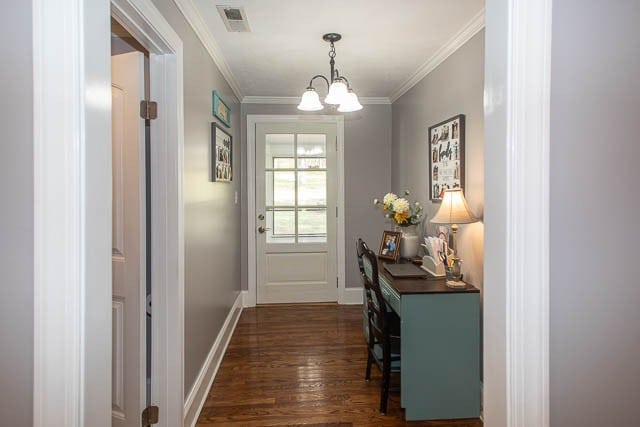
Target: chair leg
x: 384, y: 387
x: 367, y: 375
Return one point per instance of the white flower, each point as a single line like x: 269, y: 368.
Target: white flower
x: 389, y: 198
x: 376, y: 201
x: 401, y: 205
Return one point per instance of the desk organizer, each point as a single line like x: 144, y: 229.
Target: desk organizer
x: 430, y: 265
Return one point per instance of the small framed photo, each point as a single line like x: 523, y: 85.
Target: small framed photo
x: 221, y: 154
x: 221, y: 110
x: 390, y: 245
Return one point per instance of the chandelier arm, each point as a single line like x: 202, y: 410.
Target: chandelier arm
x: 321, y: 77
x: 345, y: 79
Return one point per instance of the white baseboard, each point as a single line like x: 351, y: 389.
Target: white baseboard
x: 198, y: 393
x: 351, y: 296
x: 245, y: 299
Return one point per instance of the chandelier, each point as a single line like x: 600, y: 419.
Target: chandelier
x: 339, y: 89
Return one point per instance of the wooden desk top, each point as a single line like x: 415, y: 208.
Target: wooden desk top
x: 429, y: 285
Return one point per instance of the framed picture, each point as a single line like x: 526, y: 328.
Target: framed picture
x: 390, y: 245
x: 446, y: 157
x: 221, y: 154
x: 221, y: 110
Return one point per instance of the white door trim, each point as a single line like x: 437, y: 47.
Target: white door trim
x: 516, y: 295
x: 252, y: 120
x: 72, y: 210
x: 143, y: 20
x: 60, y: 211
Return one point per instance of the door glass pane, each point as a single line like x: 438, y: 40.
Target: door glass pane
x: 278, y: 146
x: 284, y: 163
x: 312, y: 188
x: 282, y: 223
x: 280, y: 188
x: 312, y: 163
x: 312, y: 225
x: 312, y: 151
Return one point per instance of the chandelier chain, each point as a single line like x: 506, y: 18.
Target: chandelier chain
x: 332, y: 51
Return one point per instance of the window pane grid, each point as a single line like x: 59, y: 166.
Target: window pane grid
x: 307, y: 162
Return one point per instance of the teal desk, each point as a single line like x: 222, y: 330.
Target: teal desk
x: 440, y: 350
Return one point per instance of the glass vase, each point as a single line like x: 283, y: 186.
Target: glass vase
x: 409, y: 243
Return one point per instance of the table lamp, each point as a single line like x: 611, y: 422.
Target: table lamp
x: 454, y: 210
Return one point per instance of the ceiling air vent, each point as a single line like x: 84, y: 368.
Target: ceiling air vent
x: 234, y: 19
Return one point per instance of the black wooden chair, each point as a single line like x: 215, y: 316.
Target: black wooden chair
x: 384, y: 325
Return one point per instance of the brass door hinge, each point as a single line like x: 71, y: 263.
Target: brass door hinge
x: 150, y: 416
x: 148, y: 110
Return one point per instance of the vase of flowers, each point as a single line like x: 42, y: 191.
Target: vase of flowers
x: 405, y: 215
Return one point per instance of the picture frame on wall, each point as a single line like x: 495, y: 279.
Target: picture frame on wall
x: 446, y: 156
x: 221, y: 154
x: 390, y: 245
x: 221, y: 110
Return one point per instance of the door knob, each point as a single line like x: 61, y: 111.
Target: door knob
x: 261, y: 217
x: 261, y: 229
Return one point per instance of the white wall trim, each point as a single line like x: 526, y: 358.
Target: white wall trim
x: 527, y: 233
x: 352, y: 296
x: 59, y: 212
x: 207, y: 374
x: 252, y: 120
x: 245, y: 298
x: 460, y: 38
x: 516, y: 312
x: 292, y: 100
x: 197, y: 22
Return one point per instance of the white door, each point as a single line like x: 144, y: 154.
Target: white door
x: 128, y: 259
x: 296, y: 192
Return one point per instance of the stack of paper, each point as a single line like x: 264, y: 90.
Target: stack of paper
x: 436, y: 247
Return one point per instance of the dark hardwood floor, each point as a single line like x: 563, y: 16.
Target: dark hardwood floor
x: 296, y: 365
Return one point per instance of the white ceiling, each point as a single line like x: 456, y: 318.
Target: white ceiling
x: 384, y: 42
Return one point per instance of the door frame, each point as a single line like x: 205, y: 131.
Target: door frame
x: 516, y: 260
x: 252, y: 120
x: 72, y: 209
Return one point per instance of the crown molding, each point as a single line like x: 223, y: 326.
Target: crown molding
x: 366, y: 100
x: 460, y: 38
x: 195, y: 19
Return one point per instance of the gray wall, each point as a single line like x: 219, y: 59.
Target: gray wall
x: 455, y: 87
x: 211, y: 219
x: 595, y: 150
x: 16, y: 216
x: 367, y: 157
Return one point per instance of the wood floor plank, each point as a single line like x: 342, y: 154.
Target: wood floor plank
x: 301, y: 365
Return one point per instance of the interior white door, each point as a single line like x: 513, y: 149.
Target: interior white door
x: 129, y: 249
x: 296, y: 192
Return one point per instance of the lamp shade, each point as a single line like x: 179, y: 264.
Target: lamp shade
x: 454, y: 209
x: 337, y: 92
x: 310, y: 101
x: 350, y: 103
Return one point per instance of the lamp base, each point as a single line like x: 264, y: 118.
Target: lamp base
x: 456, y: 284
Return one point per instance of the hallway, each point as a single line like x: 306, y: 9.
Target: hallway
x: 301, y: 365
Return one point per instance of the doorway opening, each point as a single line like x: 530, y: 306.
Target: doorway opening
x: 131, y: 235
